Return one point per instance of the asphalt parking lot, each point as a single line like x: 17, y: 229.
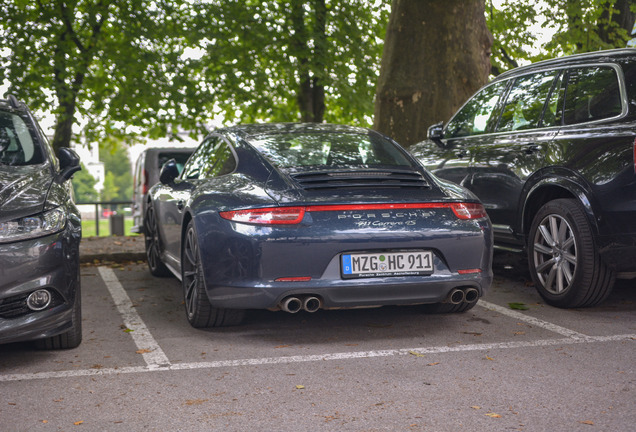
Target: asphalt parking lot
x: 142, y: 367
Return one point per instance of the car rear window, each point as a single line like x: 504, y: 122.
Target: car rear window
x: 18, y: 145
x: 592, y: 93
x: 330, y: 149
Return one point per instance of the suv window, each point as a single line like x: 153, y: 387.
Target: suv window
x: 592, y: 93
x: 479, y: 114
x: 525, y: 102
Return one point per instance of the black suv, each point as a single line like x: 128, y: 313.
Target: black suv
x: 550, y: 149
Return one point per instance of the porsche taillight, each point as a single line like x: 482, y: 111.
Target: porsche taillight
x: 294, y: 215
x: 468, y: 210
x: 266, y: 216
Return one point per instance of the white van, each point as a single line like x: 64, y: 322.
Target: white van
x: 146, y: 174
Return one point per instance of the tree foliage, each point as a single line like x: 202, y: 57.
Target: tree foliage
x: 118, y: 178
x: 84, y: 186
x: 120, y: 67
x: 291, y: 60
x: 576, y: 25
x: 112, y: 63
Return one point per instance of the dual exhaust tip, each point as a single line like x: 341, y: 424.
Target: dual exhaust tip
x: 295, y: 304
x: 311, y: 304
x: 457, y: 295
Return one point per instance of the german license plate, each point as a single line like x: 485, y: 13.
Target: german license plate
x: 387, y: 264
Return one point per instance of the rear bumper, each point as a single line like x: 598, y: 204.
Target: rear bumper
x: 348, y: 294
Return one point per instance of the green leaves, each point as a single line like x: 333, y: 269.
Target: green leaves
x: 121, y: 69
x: 518, y: 306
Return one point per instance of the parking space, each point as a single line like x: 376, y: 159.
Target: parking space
x: 141, y: 366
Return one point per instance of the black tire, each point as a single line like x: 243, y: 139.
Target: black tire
x: 447, y: 308
x: 73, y: 337
x: 199, y: 311
x: 563, y: 259
x: 153, y: 245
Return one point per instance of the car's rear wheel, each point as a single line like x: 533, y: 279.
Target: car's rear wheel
x: 151, y: 237
x: 71, y: 338
x: 564, y: 262
x: 199, y: 311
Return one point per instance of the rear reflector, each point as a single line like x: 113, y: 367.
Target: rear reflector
x: 469, y: 271
x: 294, y: 215
x: 294, y: 279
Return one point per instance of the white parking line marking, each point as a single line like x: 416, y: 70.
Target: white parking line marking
x: 316, y: 358
x: 534, y: 321
x: 147, y: 345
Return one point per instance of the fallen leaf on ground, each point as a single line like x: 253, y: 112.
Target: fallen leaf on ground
x: 518, y: 306
x: 493, y: 415
x: 143, y: 351
x: 416, y: 354
x: 77, y: 423
x: 587, y: 422
x: 282, y: 346
x: 196, y: 401
x: 300, y: 387
x: 490, y: 358
x: 475, y: 407
x: 432, y: 364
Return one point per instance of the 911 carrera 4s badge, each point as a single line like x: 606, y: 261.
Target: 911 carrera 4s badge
x: 386, y: 264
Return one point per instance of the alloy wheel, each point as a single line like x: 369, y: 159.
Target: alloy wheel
x: 555, y: 254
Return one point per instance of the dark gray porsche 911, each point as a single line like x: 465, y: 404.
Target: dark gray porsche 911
x: 311, y: 216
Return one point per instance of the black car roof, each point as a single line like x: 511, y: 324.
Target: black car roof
x: 596, y: 56
x: 253, y: 130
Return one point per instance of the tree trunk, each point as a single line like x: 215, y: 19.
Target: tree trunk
x: 436, y: 55
x: 311, y: 65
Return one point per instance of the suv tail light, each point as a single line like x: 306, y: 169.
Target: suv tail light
x: 144, y: 182
x: 294, y: 215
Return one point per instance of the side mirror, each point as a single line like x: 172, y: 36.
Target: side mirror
x: 69, y: 163
x: 436, y: 132
x: 169, y: 172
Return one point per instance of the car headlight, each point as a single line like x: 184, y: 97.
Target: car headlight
x: 35, y: 226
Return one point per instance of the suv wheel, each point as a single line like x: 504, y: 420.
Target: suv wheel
x: 151, y: 237
x: 200, y: 313
x: 564, y: 262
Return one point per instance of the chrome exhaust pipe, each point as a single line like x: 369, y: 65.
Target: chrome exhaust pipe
x: 456, y: 296
x: 312, y: 304
x: 291, y: 304
x: 471, y: 295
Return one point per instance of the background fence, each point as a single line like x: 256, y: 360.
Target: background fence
x: 106, y: 218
